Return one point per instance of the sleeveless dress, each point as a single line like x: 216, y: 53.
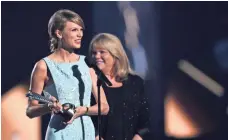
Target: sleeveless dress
x: 72, y: 82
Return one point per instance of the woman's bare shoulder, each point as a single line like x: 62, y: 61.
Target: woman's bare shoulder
x: 40, y: 65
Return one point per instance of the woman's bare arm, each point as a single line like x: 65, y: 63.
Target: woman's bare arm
x: 93, y: 110
x: 38, y: 78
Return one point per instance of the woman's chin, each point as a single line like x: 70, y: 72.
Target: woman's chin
x: 77, y: 47
x: 100, y: 66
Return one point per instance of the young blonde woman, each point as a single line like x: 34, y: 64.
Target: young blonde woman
x: 66, y: 77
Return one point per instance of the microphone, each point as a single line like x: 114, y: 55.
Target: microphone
x: 99, y: 73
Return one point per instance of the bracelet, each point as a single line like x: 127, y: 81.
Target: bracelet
x: 87, y: 110
x: 49, y: 106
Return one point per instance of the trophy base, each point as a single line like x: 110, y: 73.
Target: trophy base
x: 68, y: 111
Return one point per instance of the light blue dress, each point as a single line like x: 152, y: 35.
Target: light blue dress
x: 70, y: 81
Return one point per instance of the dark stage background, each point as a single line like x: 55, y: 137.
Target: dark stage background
x: 163, y: 33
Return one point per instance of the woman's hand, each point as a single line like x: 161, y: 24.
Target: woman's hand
x: 55, y: 106
x: 79, y: 111
x: 137, y: 137
x: 97, y: 138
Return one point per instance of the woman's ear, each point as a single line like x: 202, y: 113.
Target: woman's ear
x: 58, y: 34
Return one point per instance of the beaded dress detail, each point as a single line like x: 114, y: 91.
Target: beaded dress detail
x: 72, y: 82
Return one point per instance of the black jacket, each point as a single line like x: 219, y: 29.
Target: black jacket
x: 134, y: 104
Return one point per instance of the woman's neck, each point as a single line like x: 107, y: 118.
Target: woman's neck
x: 108, y: 72
x: 65, y: 55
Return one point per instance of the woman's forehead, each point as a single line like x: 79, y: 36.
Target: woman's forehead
x: 99, y: 47
x: 70, y: 24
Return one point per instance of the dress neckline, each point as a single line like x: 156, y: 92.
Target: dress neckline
x: 74, y: 62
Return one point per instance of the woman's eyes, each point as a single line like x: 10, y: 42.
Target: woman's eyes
x: 77, y: 30
x: 101, y: 52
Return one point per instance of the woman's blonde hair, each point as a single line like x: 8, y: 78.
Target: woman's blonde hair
x: 58, y: 21
x: 113, y: 45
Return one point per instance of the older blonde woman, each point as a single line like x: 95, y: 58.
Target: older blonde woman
x: 128, y: 116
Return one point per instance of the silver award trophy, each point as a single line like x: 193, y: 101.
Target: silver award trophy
x: 67, y: 111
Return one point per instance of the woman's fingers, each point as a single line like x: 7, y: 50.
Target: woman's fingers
x: 76, y: 115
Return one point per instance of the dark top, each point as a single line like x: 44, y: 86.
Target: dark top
x: 128, y: 111
x: 113, y: 129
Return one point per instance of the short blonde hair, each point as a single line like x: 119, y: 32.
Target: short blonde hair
x: 113, y: 45
x: 58, y: 21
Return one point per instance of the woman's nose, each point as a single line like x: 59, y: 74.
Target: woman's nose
x: 80, y: 34
x: 97, y: 55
